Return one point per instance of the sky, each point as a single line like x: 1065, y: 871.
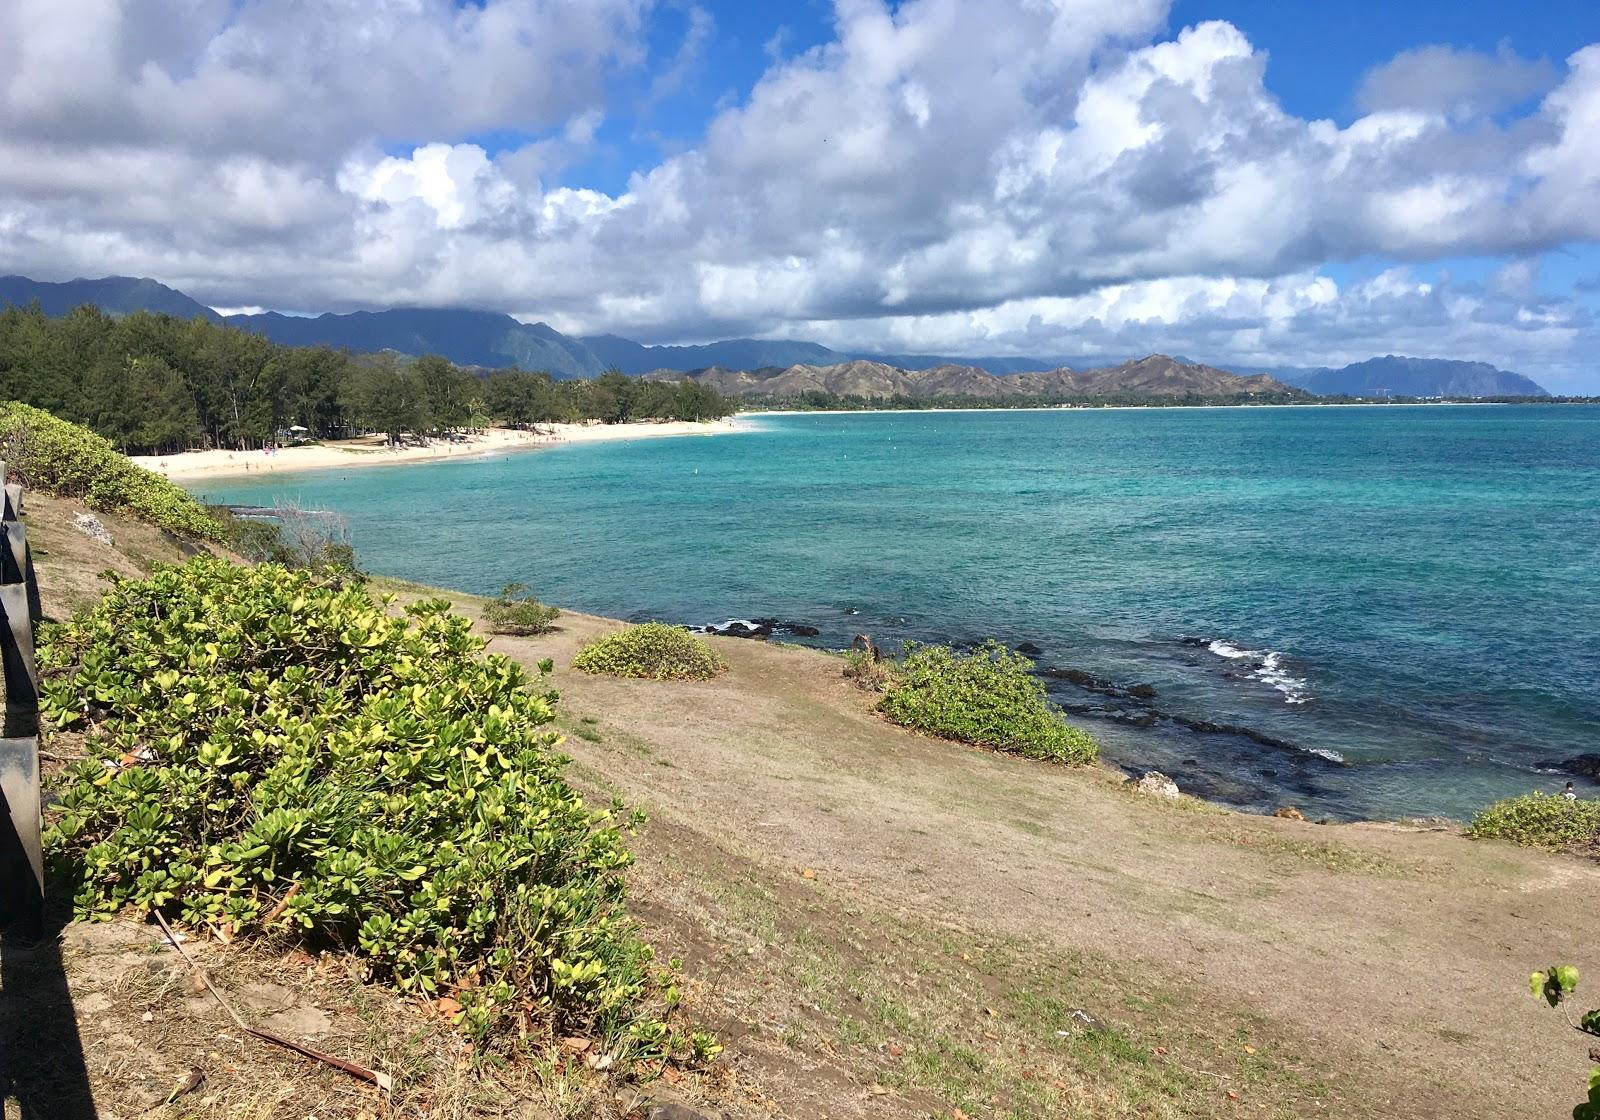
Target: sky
x: 1255, y: 183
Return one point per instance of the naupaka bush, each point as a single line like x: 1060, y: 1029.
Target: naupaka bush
x: 987, y: 696
x: 272, y: 751
x: 52, y: 455
x: 653, y: 650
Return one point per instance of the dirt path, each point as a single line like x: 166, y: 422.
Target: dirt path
x: 1389, y: 962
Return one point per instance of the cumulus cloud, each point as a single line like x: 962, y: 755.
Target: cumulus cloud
x: 1442, y: 79
x: 1012, y: 175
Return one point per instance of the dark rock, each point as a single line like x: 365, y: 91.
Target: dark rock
x: 1028, y: 649
x: 1290, y: 813
x: 1584, y: 765
x: 802, y: 631
x: 1084, y: 1021
x: 1142, y: 691
x: 1191, y: 762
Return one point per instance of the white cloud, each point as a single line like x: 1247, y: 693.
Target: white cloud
x: 1442, y: 79
x: 946, y: 175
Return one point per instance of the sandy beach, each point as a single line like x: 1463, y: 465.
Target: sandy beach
x: 373, y: 451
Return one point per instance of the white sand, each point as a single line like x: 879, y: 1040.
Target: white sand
x: 373, y: 451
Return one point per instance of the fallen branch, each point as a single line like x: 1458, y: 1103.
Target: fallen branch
x: 382, y: 1080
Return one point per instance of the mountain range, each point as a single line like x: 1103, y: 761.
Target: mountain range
x: 1154, y: 376
x: 1392, y: 376
x: 492, y: 339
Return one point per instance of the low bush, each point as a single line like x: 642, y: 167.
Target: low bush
x: 988, y: 696
x: 655, y: 651
x: 518, y: 613
x: 293, y: 537
x: 1540, y: 820
x: 51, y: 455
x: 867, y: 671
x: 271, y: 751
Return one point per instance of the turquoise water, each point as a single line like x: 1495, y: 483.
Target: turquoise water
x: 1360, y: 611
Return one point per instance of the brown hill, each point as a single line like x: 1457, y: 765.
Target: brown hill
x: 1154, y: 376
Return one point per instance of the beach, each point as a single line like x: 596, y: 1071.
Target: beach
x: 373, y: 451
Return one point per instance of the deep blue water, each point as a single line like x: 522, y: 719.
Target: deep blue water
x: 1410, y: 595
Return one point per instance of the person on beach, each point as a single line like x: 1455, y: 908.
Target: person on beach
x: 1569, y: 793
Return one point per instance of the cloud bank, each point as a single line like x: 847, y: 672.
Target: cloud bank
x: 1056, y: 176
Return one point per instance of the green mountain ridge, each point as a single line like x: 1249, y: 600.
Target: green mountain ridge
x: 493, y: 340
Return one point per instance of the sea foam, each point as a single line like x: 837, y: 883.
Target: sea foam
x: 1268, y: 670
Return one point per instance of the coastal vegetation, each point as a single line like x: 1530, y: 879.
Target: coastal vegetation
x: 154, y: 383
x: 516, y: 612
x: 273, y: 754
x: 1541, y: 820
x: 987, y: 696
x: 1555, y: 985
x: 66, y: 460
x: 654, y: 651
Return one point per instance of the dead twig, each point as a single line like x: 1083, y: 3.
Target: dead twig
x: 283, y: 904
x: 382, y: 1080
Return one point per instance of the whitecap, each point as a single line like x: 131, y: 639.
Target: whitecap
x: 1269, y: 670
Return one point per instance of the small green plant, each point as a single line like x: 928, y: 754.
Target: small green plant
x: 867, y: 671
x: 516, y: 612
x: 988, y: 696
x: 272, y: 751
x: 1554, y: 985
x: 655, y: 651
x: 63, y: 459
x: 1540, y: 820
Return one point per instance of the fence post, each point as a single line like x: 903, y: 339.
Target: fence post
x: 21, y: 850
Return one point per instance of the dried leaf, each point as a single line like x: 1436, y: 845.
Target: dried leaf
x: 895, y: 1050
x: 576, y: 1045
x: 446, y: 1006
x: 808, y: 873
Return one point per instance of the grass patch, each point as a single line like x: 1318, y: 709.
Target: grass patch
x: 654, y: 651
x: 988, y: 696
x: 948, y: 1021
x: 1319, y: 853
x: 1540, y: 820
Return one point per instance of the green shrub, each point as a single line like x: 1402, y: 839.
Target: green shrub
x: 1539, y: 820
x: 53, y: 456
x: 988, y: 697
x: 518, y: 613
x: 866, y: 671
x: 654, y: 650
x: 273, y: 752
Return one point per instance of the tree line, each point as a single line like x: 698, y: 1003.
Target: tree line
x: 154, y: 383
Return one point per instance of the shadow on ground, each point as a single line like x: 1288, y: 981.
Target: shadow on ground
x: 42, y: 1070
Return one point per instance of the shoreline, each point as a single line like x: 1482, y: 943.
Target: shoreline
x: 1116, y: 408
x: 373, y: 451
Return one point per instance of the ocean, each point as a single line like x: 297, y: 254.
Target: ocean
x: 1365, y: 612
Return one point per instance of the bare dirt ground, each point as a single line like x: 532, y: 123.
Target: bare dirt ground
x: 879, y: 924
x: 1382, y: 968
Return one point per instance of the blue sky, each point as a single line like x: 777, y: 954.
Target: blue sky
x: 1256, y: 184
